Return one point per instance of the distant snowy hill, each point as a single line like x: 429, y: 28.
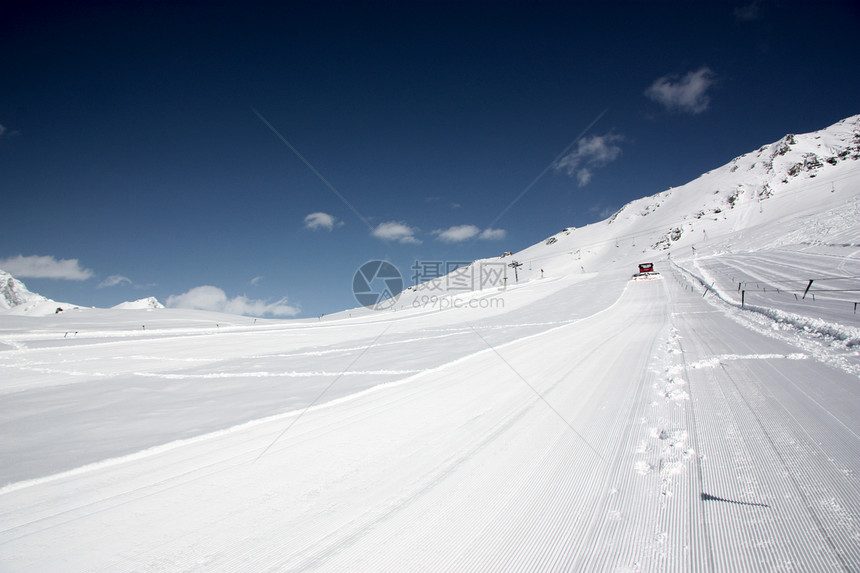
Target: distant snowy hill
x: 143, y: 303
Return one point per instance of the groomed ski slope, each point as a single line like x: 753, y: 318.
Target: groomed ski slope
x: 569, y: 419
x: 593, y: 423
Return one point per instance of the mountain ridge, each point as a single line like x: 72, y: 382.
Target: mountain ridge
x: 17, y: 299
x: 726, y: 199
x: 790, y: 177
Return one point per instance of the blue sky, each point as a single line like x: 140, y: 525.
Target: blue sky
x: 267, y: 150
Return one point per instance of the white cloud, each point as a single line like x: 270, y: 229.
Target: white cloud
x: 591, y: 153
x: 493, y: 234
x: 688, y: 94
x: 256, y: 280
x: 460, y: 233
x: 36, y: 267
x: 202, y: 298
x: 4, y: 132
x: 243, y: 305
x: 394, y: 231
x: 457, y: 233
x: 114, y: 280
x: 583, y: 177
x: 319, y: 220
x: 209, y: 297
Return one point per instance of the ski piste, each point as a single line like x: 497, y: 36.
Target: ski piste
x: 584, y: 421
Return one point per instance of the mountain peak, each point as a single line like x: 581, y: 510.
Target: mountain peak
x: 14, y: 293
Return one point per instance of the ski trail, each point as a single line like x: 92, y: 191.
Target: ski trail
x: 766, y: 484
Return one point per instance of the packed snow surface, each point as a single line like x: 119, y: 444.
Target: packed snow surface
x: 566, y: 418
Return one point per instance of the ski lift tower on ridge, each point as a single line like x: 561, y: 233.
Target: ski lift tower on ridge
x: 515, y: 265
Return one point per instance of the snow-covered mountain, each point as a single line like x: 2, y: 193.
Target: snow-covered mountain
x: 17, y: 299
x: 15, y: 293
x: 796, y: 174
x: 731, y: 194
x: 759, y: 199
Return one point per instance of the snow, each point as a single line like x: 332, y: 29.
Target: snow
x: 573, y: 419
